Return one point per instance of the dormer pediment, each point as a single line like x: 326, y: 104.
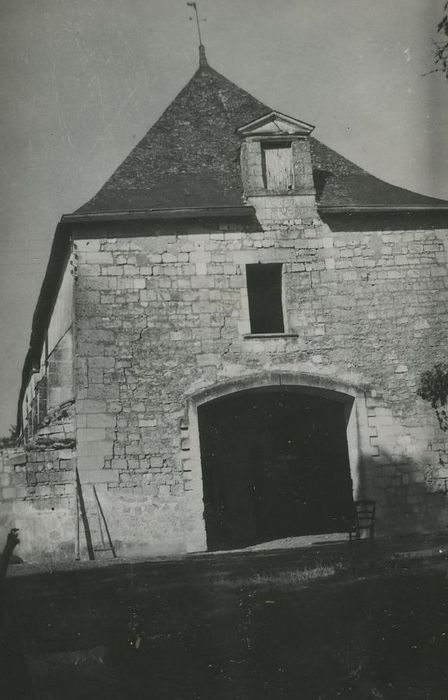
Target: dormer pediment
x: 276, y: 124
x: 276, y: 157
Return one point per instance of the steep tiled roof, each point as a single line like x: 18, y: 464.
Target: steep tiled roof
x: 190, y: 159
x: 341, y: 184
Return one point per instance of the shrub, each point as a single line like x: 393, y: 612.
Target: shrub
x: 433, y: 387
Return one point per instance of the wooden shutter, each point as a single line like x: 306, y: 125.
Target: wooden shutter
x: 277, y: 166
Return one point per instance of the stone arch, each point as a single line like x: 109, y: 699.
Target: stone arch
x: 323, y: 384
x: 352, y: 397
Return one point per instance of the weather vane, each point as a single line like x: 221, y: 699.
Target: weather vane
x: 195, y: 7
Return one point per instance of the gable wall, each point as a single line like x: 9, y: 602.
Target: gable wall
x: 159, y: 318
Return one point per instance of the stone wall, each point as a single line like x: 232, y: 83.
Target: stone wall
x: 162, y: 314
x: 38, y: 491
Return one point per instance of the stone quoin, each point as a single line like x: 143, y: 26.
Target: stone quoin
x: 227, y: 345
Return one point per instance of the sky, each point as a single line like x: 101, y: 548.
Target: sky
x: 81, y: 82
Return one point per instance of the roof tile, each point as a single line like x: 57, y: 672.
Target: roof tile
x: 190, y: 158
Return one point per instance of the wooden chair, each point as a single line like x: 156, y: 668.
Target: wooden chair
x: 363, y: 520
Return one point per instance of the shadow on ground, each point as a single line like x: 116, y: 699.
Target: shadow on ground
x: 241, y: 626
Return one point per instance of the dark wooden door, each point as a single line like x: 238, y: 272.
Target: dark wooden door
x: 275, y: 464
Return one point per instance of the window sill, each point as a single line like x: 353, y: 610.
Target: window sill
x: 248, y: 336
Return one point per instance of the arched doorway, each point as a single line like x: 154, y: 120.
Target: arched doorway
x: 274, y: 464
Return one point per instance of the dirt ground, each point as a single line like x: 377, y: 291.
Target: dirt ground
x: 311, y: 623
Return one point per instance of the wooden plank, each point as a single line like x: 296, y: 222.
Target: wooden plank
x: 277, y: 166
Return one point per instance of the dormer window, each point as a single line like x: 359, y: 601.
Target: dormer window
x: 276, y: 160
x: 276, y: 157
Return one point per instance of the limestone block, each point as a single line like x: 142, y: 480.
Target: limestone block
x: 95, y: 449
x: 90, y: 406
x: 100, y: 420
x: 91, y: 270
x: 147, y: 422
x: 92, y: 257
x: 156, y: 462
x: 169, y: 258
x: 18, y: 458
x: 119, y: 464
x: 90, y: 434
x: 97, y: 476
x: 112, y: 271
x: 91, y: 244
x: 67, y: 464
x: 43, y: 490
x: 202, y: 282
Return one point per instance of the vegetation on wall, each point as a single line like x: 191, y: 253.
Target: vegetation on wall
x: 433, y: 387
x: 9, y: 440
x: 441, y: 47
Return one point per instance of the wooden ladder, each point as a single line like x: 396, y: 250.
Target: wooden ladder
x: 105, y: 544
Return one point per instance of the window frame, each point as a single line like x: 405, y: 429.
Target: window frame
x: 273, y: 144
x: 274, y: 323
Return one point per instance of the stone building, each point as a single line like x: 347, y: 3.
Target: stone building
x: 228, y: 342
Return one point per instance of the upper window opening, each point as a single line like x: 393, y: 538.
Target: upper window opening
x: 264, y: 288
x: 277, y: 165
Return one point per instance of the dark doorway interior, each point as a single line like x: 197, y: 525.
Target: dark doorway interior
x: 275, y: 464
x: 264, y: 289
